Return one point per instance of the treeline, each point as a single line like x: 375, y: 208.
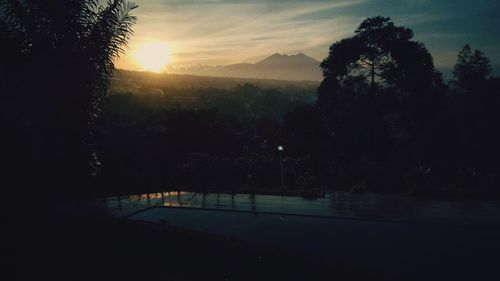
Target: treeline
x: 384, y: 120
x: 387, y: 121
x: 245, y: 101
x: 140, y: 82
x: 194, y: 138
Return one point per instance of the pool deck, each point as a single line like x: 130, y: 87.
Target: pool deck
x: 410, y: 237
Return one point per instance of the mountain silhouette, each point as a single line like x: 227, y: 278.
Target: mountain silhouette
x: 298, y: 59
x: 277, y: 66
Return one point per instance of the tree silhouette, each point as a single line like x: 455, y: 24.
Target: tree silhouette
x: 382, y: 52
x: 474, y: 111
x: 57, y: 62
x: 379, y: 97
x: 472, y: 68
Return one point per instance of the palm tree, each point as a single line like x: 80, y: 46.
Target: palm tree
x: 57, y: 62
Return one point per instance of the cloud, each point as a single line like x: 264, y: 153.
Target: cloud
x: 237, y: 30
x: 231, y: 31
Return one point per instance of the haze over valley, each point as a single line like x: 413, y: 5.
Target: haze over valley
x: 277, y: 66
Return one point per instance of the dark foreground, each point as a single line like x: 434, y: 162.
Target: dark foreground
x: 41, y: 247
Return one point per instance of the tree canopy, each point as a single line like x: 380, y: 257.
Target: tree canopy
x: 471, y: 69
x: 383, y: 53
x: 57, y: 60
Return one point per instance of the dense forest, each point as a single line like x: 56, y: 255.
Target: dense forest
x: 153, y: 138
x: 383, y: 119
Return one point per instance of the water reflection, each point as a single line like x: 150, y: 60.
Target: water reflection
x: 253, y: 204
x: 334, y: 204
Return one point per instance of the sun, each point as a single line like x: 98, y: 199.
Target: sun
x: 153, y: 56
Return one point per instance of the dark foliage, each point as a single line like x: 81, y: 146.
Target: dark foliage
x: 382, y: 52
x: 383, y: 119
x: 208, y: 139
x: 405, y: 130
x: 57, y: 61
x: 394, y: 124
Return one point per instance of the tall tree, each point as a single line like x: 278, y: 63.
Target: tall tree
x: 379, y: 95
x: 472, y: 68
x: 57, y: 61
x: 382, y: 53
x: 475, y: 111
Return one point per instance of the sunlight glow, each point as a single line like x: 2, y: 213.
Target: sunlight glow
x: 153, y: 56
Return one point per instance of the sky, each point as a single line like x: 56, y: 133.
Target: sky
x: 219, y: 32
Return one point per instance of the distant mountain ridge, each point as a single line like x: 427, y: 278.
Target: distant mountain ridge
x: 284, y: 59
x: 277, y: 66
